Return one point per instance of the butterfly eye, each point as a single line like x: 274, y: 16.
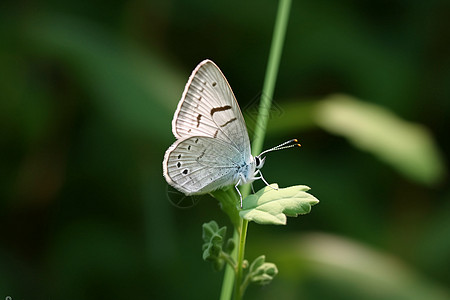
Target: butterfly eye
x: 259, y: 162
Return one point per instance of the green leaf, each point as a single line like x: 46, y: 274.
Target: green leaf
x: 407, y: 146
x: 271, y: 206
x: 213, y: 238
x: 262, y: 272
x: 369, y: 272
x: 230, y: 245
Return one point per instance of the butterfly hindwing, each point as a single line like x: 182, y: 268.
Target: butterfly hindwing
x: 208, y: 108
x: 200, y: 164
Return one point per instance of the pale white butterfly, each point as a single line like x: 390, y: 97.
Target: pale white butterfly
x: 212, y: 149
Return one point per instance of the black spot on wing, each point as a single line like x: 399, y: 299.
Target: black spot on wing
x: 228, y: 122
x: 199, y: 116
x: 217, y: 109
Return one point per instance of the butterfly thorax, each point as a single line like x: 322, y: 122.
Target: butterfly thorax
x: 249, y: 171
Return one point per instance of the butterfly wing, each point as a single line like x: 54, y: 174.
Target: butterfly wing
x: 208, y: 108
x: 200, y: 164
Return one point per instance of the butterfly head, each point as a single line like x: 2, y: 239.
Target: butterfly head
x: 259, y: 160
x: 253, y: 169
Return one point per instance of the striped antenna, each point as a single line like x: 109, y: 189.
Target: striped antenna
x: 285, y: 145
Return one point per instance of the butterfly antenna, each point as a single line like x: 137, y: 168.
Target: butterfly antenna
x: 285, y: 145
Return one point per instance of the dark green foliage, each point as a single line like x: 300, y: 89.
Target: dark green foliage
x: 88, y: 90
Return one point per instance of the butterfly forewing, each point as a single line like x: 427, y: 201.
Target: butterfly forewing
x: 200, y: 164
x: 208, y: 108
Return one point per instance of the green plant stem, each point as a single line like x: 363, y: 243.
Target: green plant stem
x: 229, y: 259
x: 229, y: 276
x: 263, y: 117
x: 245, y: 284
x: 240, y: 234
x: 271, y: 75
x: 241, y: 251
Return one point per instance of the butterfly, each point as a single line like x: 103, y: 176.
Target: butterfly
x: 212, y: 150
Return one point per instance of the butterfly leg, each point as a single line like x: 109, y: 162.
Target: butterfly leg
x: 253, y: 189
x: 262, y: 178
x: 239, y: 192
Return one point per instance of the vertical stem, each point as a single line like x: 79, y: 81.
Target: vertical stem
x: 263, y: 116
x: 229, y: 276
x: 243, y: 236
x: 228, y: 199
x: 271, y: 74
x: 258, y: 140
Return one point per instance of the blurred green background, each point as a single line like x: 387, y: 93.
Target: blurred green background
x: 88, y: 91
